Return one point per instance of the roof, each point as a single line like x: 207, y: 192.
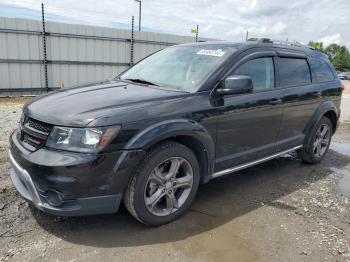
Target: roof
x: 263, y: 43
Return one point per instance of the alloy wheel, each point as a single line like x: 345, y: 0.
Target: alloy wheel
x: 321, y: 141
x: 168, y: 186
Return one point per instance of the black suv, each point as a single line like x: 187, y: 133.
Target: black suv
x: 179, y: 118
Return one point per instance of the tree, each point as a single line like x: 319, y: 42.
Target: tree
x: 338, y: 55
x: 332, y: 50
x: 317, y: 45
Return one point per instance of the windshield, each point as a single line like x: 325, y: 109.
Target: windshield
x: 183, y: 68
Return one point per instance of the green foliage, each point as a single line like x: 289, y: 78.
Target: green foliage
x: 338, y: 55
x: 317, y: 45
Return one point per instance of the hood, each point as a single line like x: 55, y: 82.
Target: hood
x: 79, y: 106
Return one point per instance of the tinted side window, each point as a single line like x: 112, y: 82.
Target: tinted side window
x: 261, y: 71
x: 294, y: 72
x: 321, y: 71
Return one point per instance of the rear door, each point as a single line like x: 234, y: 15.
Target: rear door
x: 248, y: 125
x: 301, y: 97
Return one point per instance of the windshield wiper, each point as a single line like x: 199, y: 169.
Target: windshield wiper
x: 140, y: 80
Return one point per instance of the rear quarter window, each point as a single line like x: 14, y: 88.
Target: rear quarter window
x: 321, y: 71
x: 294, y: 72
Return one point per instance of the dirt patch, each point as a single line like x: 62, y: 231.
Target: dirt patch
x: 14, y: 101
x: 282, y: 210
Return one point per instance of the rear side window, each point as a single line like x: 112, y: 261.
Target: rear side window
x: 260, y: 70
x: 321, y: 71
x: 294, y: 72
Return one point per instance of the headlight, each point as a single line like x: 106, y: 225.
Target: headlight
x: 81, y: 139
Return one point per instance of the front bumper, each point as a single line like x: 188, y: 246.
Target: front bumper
x: 76, y: 207
x: 71, y: 184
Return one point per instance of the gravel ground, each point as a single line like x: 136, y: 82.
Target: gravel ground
x: 282, y: 210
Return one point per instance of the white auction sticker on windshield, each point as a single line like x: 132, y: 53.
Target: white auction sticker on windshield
x: 211, y: 52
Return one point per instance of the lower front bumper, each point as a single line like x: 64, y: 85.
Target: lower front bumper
x: 75, y: 207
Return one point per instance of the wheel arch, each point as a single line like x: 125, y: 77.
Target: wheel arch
x: 333, y: 117
x: 327, y: 109
x: 187, y: 132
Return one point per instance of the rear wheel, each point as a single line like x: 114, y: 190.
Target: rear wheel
x: 164, y: 185
x: 318, y: 142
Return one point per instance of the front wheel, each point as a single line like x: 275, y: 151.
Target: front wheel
x: 164, y: 185
x: 318, y: 142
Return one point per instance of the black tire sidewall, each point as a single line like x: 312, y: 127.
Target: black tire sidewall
x: 163, y: 153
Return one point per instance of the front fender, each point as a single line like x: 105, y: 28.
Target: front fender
x: 174, y: 128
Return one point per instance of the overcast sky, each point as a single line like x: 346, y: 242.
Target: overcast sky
x: 300, y: 20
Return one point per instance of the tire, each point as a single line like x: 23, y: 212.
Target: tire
x: 157, y: 194
x: 309, y: 153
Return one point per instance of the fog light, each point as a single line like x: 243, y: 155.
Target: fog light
x: 54, y: 198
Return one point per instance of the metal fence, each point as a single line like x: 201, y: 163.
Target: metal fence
x: 36, y: 57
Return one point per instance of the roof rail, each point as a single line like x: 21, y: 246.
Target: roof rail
x: 279, y: 42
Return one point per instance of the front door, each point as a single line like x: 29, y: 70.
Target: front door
x: 249, y: 123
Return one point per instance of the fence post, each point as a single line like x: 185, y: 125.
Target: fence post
x: 44, y: 47
x: 132, y: 42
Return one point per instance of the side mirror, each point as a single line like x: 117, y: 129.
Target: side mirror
x: 236, y: 84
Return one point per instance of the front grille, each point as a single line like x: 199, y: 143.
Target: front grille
x: 34, y: 133
x: 33, y: 141
x: 38, y: 125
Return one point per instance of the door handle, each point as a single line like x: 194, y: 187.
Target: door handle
x: 275, y: 101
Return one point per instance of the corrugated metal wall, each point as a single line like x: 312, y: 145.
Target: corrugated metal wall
x: 76, y: 54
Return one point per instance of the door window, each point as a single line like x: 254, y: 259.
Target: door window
x: 260, y: 70
x: 294, y: 72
